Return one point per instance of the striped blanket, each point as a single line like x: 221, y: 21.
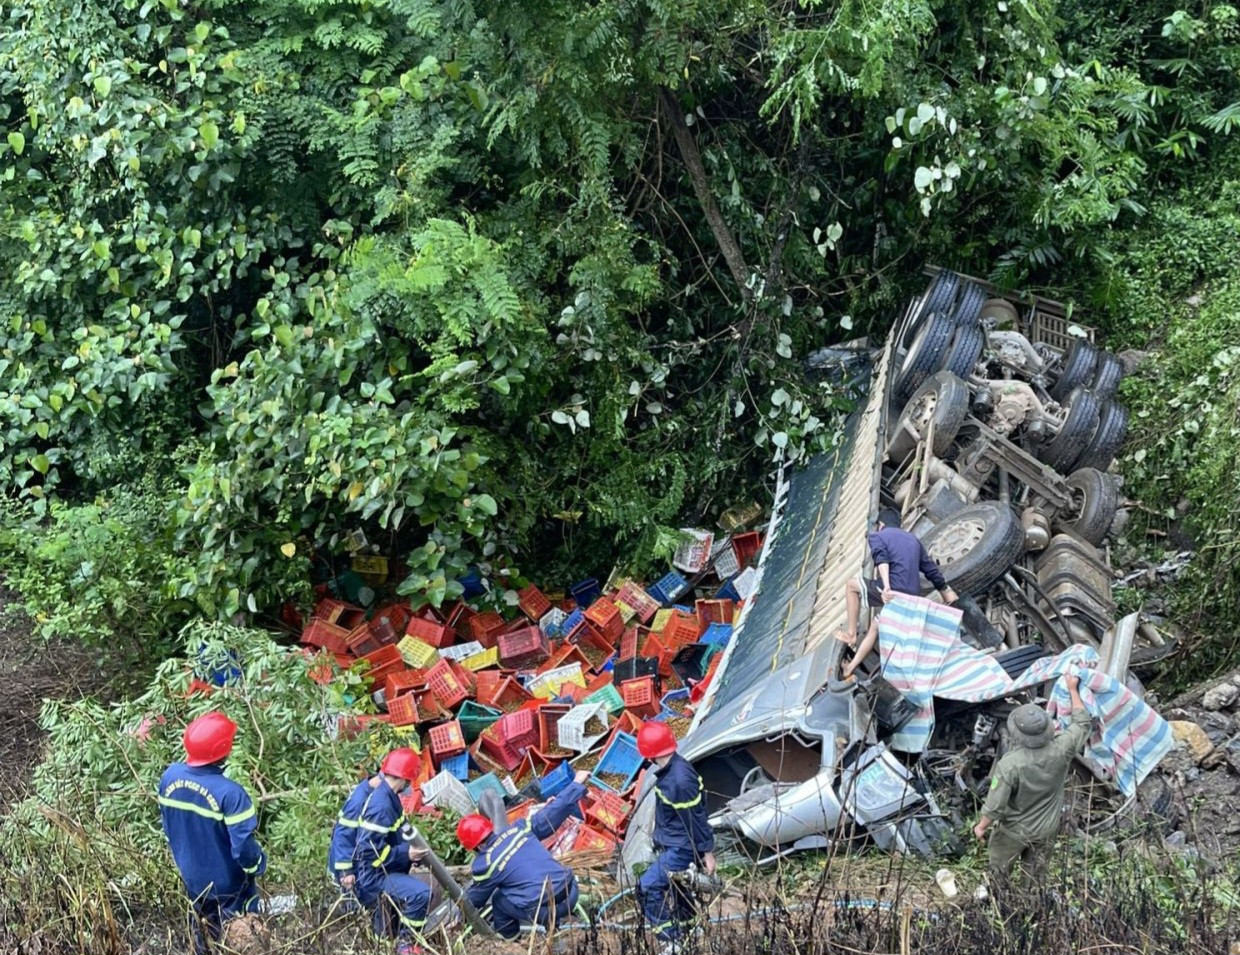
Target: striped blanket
x: 923, y: 657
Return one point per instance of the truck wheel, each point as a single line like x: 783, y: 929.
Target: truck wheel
x: 940, y: 296
x: 969, y: 308
x: 1108, y: 438
x: 925, y: 355
x: 1080, y: 423
x: 1095, y: 499
x: 1107, y: 376
x: 966, y: 349
x: 976, y: 546
x: 999, y: 311
x: 1078, y: 366
x: 943, y: 399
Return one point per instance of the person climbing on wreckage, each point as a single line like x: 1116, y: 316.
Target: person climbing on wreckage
x: 899, y: 560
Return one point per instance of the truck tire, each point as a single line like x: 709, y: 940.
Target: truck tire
x: 976, y: 546
x: 1077, y: 369
x: 940, y: 296
x: 1079, y: 426
x: 966, y: 349
x: 943, y: 399
x: 1108, y: 437
x: 969, y: 308
x: 1095, y: 499
x: 1107, y: 375
x: 925, y: 355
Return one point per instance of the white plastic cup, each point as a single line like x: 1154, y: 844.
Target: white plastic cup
x: 947, y: 882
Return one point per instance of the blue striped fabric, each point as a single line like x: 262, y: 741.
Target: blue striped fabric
x: 923, y: 657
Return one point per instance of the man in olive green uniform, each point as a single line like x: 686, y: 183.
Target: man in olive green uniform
x: 1026, y: 791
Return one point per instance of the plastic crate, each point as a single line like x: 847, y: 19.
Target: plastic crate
x: 547, y: 716
x: 746, y: 583
x: 500, y: 754
x: 725, y: 563
x: 681, y: 630
x: 430, y: 631
x: 573, y: 625
x: 549, y: 623
x: 554, y: 780
x: 461, y: 651
x: 627, y: 612
x: 546, y: 685
x: 457, y: 765
x: 591, y: 840
x: 486, y: 783
x: 330, y: 610
x: 464, y: 676
x: 692, y: 554
x: 403, y: 711
x: 526, y: 647
x: 661, y: 619
x: 458, y: 616
x: 634, y: 668
x: 533, y: 603
x: 475, y: 717
x: 640, y: 697
x: 585, y: 592
x: 691, y: 663
x: 619, y: 764
x: 446, y: 685
x: 670, y: 586
x: 445, y: 791
x: 326, y: 636
x: 608, y: 697
x: 605, y: 616
x: 383, y: 630
x: 507, y: 740
x: 417, y: 654
x: 480, y: 661
x: 428, y: 706
x: 718, y: 634
x: 654, y: 647
x: 361, y: 641
x: 727, y: 591
x: 383, y: 661
x: 402, y: 681
x: 567, y: 655
x: 608, y: 812
x: 485, y: 627
x: 628, y: 644
x: 574, y: 728
x: 643, y: 604
x: 713, y: 611
x: 447, y: 739
x: 747, y: 546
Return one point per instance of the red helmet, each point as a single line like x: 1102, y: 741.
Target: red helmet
x: 208, y: 739
x: 655, y: 740
x: 402, y: 762
x: 472, y: 830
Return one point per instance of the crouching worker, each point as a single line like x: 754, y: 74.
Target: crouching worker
x: 210, y: 821
x: 370, y: 860
x: 682, y: 834
x: 513, y: 873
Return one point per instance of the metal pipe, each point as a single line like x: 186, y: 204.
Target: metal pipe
x: 444, y: 878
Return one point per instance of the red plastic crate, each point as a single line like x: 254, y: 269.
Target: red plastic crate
x: 326, y: 636
x: 383, y: 661
x: 350, y: 617
x: 640, y: 698
x: 403, y: 711
x: 446, y: 686
x: 361, y: 641
x: 484, y: 762
x: 605, y: 616
x: 501, y: 751
x: 533, y: 603
x: 508, y: 693
x: 429, y: 706
x: 654, y: 647
x: 329, y: 609
x: 526, y: 647
x: 403, y: 681
x: 567, y: 655
x: 520, y: 811
x: 713, y: 611
x: 589, y: 839
x: 628, y: 644
x: 535, y: 765
x: 466, y: 676
x: 681, y: 631
x: 637, y: 598
x: 573, y: 691
x: 603, y: 679
x: 588, y: 636
x: 747, y: 547
x: 485, y: 628
x: 458, y: 615
x: 430, y: 631
x: 447, y: 740
x: 608, y: 812
x: 383, y: 630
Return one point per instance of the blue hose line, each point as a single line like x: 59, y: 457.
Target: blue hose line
x: 720, y: 919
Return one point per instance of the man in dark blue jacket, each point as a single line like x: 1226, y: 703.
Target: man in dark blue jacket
x: 514, y: 874
x: 370, y: 859
x: 210, y: 822
x: 899, y: 560
x: 682, y: 834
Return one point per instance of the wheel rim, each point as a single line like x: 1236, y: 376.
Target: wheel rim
x: 958, y: 540
x: 922, y: 412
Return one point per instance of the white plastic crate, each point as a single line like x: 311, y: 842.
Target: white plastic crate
x: 547, y: 684
x: 726, y: 565
x: 459, y: 651
x: 746, y: 582
x: 509, y: 786
x: 571, y: 729
x: 445, y: 790
x: 691, y: 556
x: 551, y: 619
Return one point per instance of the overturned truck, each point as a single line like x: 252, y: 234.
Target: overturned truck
x: 991, y: 423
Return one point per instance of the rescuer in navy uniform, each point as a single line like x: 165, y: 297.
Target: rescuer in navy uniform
x: 514, y: 874
x: 210, y: 822
x: 682, y: 834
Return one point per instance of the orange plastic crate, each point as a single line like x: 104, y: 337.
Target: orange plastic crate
x: 640, y: 698
x: 713, y: 611
x: 681, y: 631
x: 605, y: 616
x: 430, y: 631
x: 485, y: 628
x: 447, y: 740
x: 533, y: 603
x: 589, y: 839
x: 507, y: 694
x: 465, y: 676
x: 654, y: 647
x: 403, y: 711
x: 567, y: 655
x: 327, y: 636
x: 608, y: 812
x: 403, y: 681
x: 361, y: 641
x: 549, y: 715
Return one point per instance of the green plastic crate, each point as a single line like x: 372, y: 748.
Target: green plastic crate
x: 475, y: 717
x: 609, y: 696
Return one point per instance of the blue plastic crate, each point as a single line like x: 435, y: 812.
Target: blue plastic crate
x: 572, y: 622
x: 489, y: 782
x: 458, y: 766
x: 555, y: 780
x: 472, y: 582
x: 684, y: 609
x: 667, y: 712
x: 669, y: 588
x: 718, y: 634
x: 585, y: 592
x: 728, y: 592
x: 609, y: 664
x: 620, y: 758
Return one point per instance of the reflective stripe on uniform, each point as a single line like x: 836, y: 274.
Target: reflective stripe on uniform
x: 681, y: 805
x: 499, y: 863
x: 239, y: 817
x: 252, y: 869
x: 192, y: 807
x: 382, y: 857
x: 363, y: 824
x: 341, y: 866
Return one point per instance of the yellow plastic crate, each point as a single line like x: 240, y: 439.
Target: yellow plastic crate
x: 660, y: 620
x: 547, y: 685
x: 417, y: 654
x: 480, y: 661
x: 627, y: 613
